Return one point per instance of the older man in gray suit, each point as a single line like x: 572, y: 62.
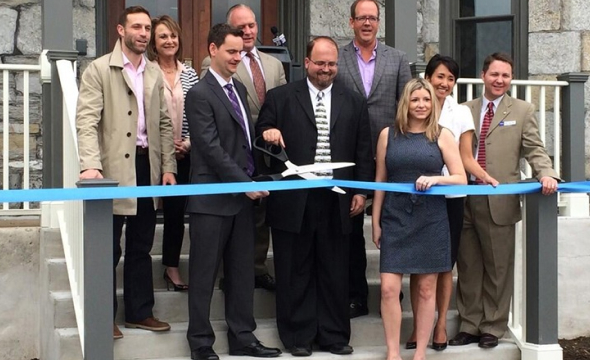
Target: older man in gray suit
x: 379, y: 73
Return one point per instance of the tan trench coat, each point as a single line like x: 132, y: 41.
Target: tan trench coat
x: 106, y: 123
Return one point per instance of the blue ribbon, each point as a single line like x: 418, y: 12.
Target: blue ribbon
x: 102, y: 193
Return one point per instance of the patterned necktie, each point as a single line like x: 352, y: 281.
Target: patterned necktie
x: 236, y: 105
x: 257, y: 78
x: 322, y: 153
x: 485, y: 127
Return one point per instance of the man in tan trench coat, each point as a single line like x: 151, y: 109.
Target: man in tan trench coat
x: 125, y: 134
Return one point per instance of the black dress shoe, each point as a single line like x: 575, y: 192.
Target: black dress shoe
x: 204, y: 353
x: 410, y: 345
x: 338, y: 349
x: 256, y: 349
x: 463, y: 338
x: 358, y: 309
x: 300, y: 351
x: 266, y: 282
x: 488, y: 341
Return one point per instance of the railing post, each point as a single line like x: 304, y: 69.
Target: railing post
x: 98, y: 274
x: 574, y: 142
x: 541, y: 322
x: 53, y: 125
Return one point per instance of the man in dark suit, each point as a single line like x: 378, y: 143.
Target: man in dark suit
x: 379, y: 73
x: 316, y: 120
x: 222, y: 226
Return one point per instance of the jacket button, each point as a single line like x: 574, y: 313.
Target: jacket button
x: 128, y: 134
x: 130, y: 92
x: 126, y: 156
x: 130, y: 112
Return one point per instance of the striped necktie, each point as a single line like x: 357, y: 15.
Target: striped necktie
x: 322, y: 153
x: 485, y: 127
x: 233, y: 99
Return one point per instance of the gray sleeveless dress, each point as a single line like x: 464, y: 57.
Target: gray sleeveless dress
x: 415, y: 228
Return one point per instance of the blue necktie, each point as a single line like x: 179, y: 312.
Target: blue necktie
x: 236, y: 105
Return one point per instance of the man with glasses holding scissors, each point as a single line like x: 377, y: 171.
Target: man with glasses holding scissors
x: 316, y: 121
x: 379, y: 73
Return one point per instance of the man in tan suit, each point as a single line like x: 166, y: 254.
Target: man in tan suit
x: 125, y: 134
x: 259, y: 72
x: 505, y: 128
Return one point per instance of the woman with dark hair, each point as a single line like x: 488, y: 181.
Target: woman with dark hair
x: 442, y: 72
x: 411, y: 230
x: 165, y: 49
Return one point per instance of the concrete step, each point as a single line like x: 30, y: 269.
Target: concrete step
x: 367, y: 332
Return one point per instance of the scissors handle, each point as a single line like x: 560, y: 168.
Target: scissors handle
x: 275, y: 151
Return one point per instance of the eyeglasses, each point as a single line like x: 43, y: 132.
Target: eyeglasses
x: 363, y: 19
x: 324, y: 63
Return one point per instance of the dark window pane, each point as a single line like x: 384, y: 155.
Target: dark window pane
x: 470, y: 8
x: 157, y: 7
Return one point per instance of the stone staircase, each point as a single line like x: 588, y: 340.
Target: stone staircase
x: 60, y: 340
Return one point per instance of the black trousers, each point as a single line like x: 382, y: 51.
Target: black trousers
x: 312, y: 276
x: 214, y: 238
x: 174, y: 208
x: 138, y: 286
x: 359, y: 289
x: 455, y: 207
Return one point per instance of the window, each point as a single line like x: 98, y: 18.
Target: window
x: 472, y: 29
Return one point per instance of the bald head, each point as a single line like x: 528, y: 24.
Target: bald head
x: 242, y: 17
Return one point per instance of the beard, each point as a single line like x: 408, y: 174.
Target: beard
x: 130, y: 44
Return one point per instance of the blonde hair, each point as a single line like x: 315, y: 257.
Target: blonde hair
x: 402, y: 119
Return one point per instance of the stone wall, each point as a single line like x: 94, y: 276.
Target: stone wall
x: 21, y: 43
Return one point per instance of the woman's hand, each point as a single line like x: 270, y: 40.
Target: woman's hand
x: 425, y: 182
x: 488, y: 180
x: 377, y: 236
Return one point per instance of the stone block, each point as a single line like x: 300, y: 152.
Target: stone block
x: 586, y: 51
x: 544, y: 15
x: 19, y: 308
x: 554, y: 53
x: 430, y: 50
x: 84, y: 27
x: 8, y: 19
x: 575, y: 15
x: 29, y: 31
x: 549, y: 91
x: 430, y: 15
x: 332, y: 18
x: 16, y: 144
x: 14, y: 3
x: 85, y: 3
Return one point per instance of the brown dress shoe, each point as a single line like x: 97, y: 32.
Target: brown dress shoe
x: 488, y: 341
x: 150, y: 323
x: 117, y: 334
x: 463, y: 338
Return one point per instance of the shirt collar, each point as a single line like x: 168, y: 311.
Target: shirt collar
x: 357, y: 48
x: 127, y: 62
x: 496, y: 102
x: 220, y: 79
x: 254, y: 52
x: 315, y: 91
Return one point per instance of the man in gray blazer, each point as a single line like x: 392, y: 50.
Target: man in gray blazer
x: 259, y: 72
x: 379, y: 73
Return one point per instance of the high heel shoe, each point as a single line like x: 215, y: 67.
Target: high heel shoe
x: 176, y: 287
x: 439, y: 346
x: 410, y: 345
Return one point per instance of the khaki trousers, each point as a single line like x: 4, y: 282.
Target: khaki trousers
x: 485, y: 266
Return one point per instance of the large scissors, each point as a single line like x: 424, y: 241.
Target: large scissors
x: 303, y: 171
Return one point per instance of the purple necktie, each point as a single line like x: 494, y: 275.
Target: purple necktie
x: 236, y: 105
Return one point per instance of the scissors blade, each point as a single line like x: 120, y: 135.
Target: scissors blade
x: 310, y: 176
x: 298, y: 170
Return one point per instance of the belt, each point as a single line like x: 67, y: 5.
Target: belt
x: 141, y: 150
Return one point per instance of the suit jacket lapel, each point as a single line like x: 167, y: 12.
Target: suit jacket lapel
x: 337, y: 99
x: 243, y: 76
x: 352, y: 65
x: 379, y: 67
x: 243, y: 99
x: 501, y: 112
x: 305, y: 100
x: 220, y: 93
x: 476, y: 113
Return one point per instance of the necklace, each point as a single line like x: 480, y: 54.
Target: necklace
x: 168, y: 71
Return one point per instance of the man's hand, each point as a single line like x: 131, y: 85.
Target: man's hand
x: 549, y: 185
x: 168, y: 179
x: 357, y: 205
x: 273, y: 136
x: 90, y: 174
x: 255, y: 195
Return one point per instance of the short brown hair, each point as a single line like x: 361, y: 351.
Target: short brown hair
x: 173, y: 26
x: 219, y: 32
x: 356, y: 2
x: 497, y: 56
x: 132, y: 10
x: 311, y: 44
